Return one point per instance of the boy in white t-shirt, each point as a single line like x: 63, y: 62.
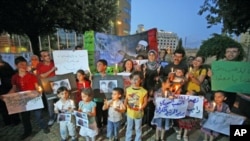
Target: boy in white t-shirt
x: 65, y: 106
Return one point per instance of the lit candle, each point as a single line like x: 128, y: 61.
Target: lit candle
x: 176, y: 88
x: 40, y: 89
x: 214, y: 105
x: 89, y: 71
x: 116, y: 66
x: 166, y: 94
x: 190, y: 69
x: 172, y: 69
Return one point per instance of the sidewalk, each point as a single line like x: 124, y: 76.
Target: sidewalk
x: 12, y: 133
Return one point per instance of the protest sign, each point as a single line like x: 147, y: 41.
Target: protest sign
x: 195, y: 105
x: 231, y: 76
x: 64, y: 117
x: 68, y: 61
x: 170, y: 108
x: 23, y: 101
x: 220, y: 122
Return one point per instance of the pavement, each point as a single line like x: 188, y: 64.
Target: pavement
x: 12, y: 133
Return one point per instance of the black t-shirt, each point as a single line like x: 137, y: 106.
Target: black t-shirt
x: 6, y: 72
x: 167, y: 69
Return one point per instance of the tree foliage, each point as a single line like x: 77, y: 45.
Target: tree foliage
x: 233, y: 14
x: 43, y: 17
x: 217, y: 45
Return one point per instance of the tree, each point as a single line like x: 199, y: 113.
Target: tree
x: 43, y: 17
x: 179, y: 45
x: 217, y: 45
x: 233, y: 14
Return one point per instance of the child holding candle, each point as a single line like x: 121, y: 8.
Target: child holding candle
x: 135, y: 101
x: 217, y: 105
x: 178, y: 81
x: 162, y: 124
x: 115, y: 109
x: 65, y: 105
x: 82, y: 82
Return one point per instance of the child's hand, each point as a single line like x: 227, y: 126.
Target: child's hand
x: 106, y: 103
x: 79, y: 110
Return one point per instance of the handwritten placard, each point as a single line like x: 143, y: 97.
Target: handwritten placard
x: 68, y: 61
x: 23, y: 101
x: 231, y: 76
x: 170, y: 108
x: 220, y: 122
x: 195, y: 105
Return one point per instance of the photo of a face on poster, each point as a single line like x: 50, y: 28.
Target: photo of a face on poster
x: 106, y: 86
x: 57, y: 84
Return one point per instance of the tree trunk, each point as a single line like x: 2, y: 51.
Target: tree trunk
x: 34, y: 43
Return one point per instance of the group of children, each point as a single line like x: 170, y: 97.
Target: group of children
x: 136, y: 99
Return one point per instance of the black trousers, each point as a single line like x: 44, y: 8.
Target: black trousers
x: 8, y: 119
x: 101, y: 115
x: 26, y: 122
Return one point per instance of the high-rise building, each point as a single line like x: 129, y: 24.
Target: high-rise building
x: 121, y: 24
x: 140, y: 28
x: 167, y: 40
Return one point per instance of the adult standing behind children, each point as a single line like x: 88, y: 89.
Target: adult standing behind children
x: 6, y: 72
x: 177, y: 62
x: 24, y: 81
x: 135, y: 102
x: 46, y: 69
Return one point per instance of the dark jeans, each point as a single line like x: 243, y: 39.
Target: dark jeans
x: 8, y: 119
x: 27, y: 123
x: 101, y: 116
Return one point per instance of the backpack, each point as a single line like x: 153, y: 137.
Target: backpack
x: 205, y: 85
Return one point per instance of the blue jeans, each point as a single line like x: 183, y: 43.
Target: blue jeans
x: 138, y: 129
x: 113, y: 129
x: 39, y: 119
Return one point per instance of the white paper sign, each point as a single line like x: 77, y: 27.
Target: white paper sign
x: 195, y: 105
x: 23, y: 101
x: 170, y: 108
x: 68, y: 61
x: 220, y: 122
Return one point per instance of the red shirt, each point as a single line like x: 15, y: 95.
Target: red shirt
x: 42, y: 68
x: 25, y: 83
x: 85, y: 84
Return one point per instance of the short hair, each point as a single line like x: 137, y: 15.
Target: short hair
x: 78, y: 47
x: 220, y: 91
x: 180, y: 51
x: 88, y: 92
x: 119, y: 90
x: 103, y: 61
x: 138, y: 56
x: 138, y: 73
x: 61, y: 89
x: 20, y: 59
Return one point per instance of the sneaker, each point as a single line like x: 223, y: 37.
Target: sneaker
x: 51, y: 122
x: 178, y: 137
x: 46, y: 130
x: 24, y: 136
x: 185, y: 138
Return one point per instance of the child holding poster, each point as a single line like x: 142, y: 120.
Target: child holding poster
x: 162, y: 124
x: 217, y: 105
x: 115, y: 109
x: 135, y: 102
x: 64, y: 108
x: 88, y: 106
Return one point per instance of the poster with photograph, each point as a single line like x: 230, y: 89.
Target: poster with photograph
x: 106, y: 86
x: 64, y: 117
x: 23, y: 101
x: 81, y: 119
x: 57, y: 84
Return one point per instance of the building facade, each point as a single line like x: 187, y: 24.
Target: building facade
x: 167, y: 40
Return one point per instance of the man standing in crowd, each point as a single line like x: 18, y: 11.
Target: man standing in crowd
x: 6, y: 72
x: 178, y: 62
x: 46, y: 69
